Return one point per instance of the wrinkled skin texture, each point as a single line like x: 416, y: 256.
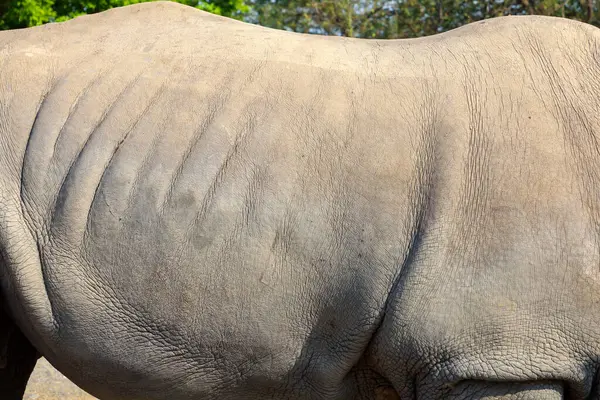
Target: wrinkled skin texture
x: 196, y: 208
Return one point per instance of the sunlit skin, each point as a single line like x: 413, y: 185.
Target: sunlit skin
x: 192, y: 207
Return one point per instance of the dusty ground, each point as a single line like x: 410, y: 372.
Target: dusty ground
x: 46, y: 383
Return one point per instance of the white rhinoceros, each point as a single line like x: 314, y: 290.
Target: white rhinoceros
x: 192, y: 207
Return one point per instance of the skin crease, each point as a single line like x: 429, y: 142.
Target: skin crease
x: 196, y: 208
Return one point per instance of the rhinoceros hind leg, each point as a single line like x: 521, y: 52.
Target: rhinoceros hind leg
x: 17, y: 359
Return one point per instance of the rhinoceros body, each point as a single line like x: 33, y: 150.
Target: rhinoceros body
x: 196, y: 208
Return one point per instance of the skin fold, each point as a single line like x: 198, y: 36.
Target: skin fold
x: 192, y: 207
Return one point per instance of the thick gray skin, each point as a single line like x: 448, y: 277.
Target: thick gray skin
x: 197, y: 208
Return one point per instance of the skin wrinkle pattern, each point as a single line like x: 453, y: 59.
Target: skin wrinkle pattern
x: 192, y: 207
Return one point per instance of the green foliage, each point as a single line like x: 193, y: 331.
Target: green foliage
x: 403, y: 18
x: 25, y: 13
x: 233, y: 8
x: 357, y: 18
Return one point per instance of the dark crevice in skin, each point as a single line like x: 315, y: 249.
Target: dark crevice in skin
x: 413, y: 247
x: 22, y: 194
x: 421, y: 190
x: 217, y: 102
x: 151, y: 103
x: 216, y: 107
x: 22, y: 198
x: 146, y: 159
x: 75, y: 104
x: 61, y: 192
x: 595, y: 388
x: 36, y: 129
x: 53, y: 314
x: 211, y: 194
x: 415, y: 388
x: 17, y: 358
x: 399, y: 281
x: 212, y: 190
